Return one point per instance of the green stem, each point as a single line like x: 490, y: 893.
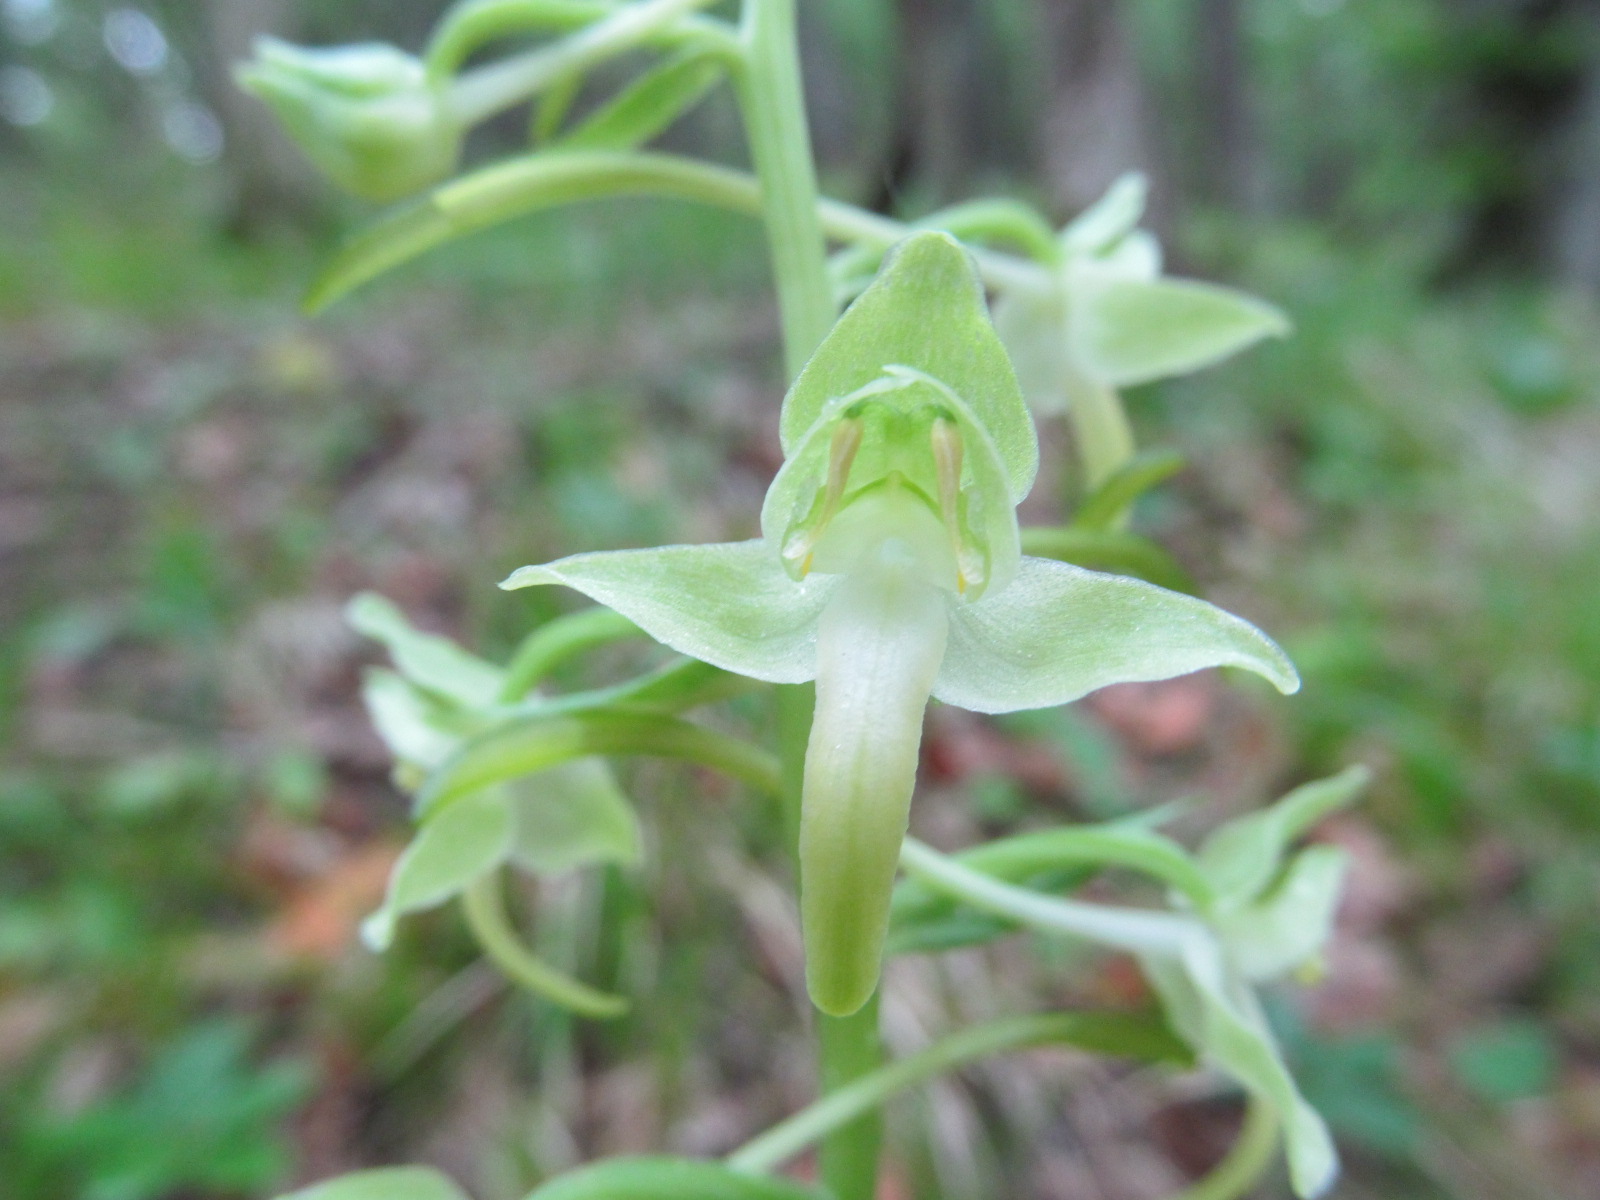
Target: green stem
x: 1007, y: 221
x: 1252, y: 1154
x: 773, y: 104
x: 1099, y: 1032
x: 478, y: 94
x: 556, y: 641
x: 793, y: 706
x: 486, y: 914
x: 1138, y: 931
x: 1104, y: 437
x: 850, y: 1051
x: 549, y: 179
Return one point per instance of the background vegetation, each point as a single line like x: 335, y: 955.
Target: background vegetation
x: 194, y: 813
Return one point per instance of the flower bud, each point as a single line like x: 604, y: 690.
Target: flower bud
x: 366, y: 115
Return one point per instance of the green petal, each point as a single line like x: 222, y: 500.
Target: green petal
x: 416, y: 727
x: 426, y: 659
x: 729, y: 604
x: 1059, y: 632
x: 1215, y: 1011
x: 462, y: 843
x: 1110, y: 218
x: 926, y: 311
x: 880, y: 643
x: 1128, y: 331
x: 1291, y: 924
x: 384, y: 1183
x: 569, y: 816
x: 1137, y: 256
x: 1242, y: 857
x: 1033, y: 327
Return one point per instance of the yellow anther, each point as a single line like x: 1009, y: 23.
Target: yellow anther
x: 842, y: 450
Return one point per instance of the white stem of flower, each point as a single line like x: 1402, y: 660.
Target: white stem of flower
x: 879, y: 645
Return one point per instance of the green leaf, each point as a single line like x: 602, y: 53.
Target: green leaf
x: 729, y: 604
x: 569, y: 816
x: 1507, y: 1061
x: 1112, y: 499
x: 453, y: 848
x: 1291, y: 924
x: 426, y: 659
x: 660, y: 1178
x: 1113, y: 551
x: 1218, y: 1014
x: 1242, y: 857
x: 1059, y: 632
x: 384, y: 1183
x: 647, y: 106
x: 925, y: 311
x: 537, y: 742
x: 1128, y: 331
x: 1109, y: 219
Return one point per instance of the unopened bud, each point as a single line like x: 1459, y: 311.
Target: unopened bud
x: 366, y: 115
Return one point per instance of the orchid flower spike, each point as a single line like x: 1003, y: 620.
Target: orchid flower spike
x: 889, y: 570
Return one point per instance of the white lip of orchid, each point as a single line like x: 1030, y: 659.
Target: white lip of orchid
x: 880, y: 642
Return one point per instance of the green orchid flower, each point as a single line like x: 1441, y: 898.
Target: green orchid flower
x: 889, y: 571
x: 1246, y: 910
x: 1112, y: 320
x: 366, y: 115
x: 561, y: 818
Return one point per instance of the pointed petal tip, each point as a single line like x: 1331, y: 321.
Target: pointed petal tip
x: 530, y: 576
x: 1314, y: 1185
x: 377, y: 931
